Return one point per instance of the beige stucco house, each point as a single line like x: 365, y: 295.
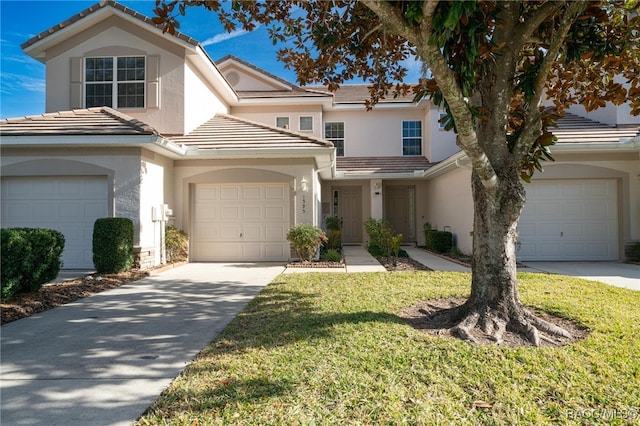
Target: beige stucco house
x: 143, y: 124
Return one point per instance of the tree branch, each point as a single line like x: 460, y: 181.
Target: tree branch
x: 532, y: 125
x: 532, y: 23
x: 467, y: 138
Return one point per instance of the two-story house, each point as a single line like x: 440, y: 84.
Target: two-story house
x: 143, y: 124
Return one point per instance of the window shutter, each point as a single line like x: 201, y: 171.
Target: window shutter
x: 153, y: 82
x: 75, y: 97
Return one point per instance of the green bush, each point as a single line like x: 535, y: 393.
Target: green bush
x: 177, y: 244
x: 332, y: 255
x: 382, y: 242
x: 438, y: 241
x: 113, y: 245
x: 635, y: 252
x: 306, y: 240
x: 334, y: 239
x: 333, y: 223
x: 30, y: 258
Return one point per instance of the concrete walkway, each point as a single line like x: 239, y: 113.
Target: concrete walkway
x: 434, y: 262
x: 618, y: 274
x: 103, y: 360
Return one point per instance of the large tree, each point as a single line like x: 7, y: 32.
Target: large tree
x: 489, y: 64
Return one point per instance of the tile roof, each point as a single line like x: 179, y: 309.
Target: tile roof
x: 381, y: 165
x: 90, y: 121
x: 575, y: 129
x: 358, y: 94
x: 225, y: 131
x: 102, y: 4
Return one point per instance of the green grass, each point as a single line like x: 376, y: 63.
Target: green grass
x: 331, y: 349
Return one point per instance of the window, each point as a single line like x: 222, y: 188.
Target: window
x: 334, y: 132
x: 306, y: 124
x: 282, y: 122
x: 116, y: 82
x: 411, y: 138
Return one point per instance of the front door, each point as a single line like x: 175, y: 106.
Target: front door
x: 399, y: 210
x: 347, y: 202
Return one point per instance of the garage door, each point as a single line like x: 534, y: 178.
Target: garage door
x: 67, y: 204
x: 240, y: 222
x: 572, y: 220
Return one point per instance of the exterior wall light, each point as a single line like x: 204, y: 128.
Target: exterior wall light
x: 304, y: 184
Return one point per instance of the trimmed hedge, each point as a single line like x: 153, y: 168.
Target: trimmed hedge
x: 30, y: 258
x: 112, y: 245
x: 438, y: 241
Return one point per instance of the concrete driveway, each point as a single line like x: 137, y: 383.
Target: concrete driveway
x: 104, y: 359
x: 614, y: 273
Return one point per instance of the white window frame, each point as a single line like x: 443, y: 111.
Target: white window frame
x: 403, y: 138
x: 441, y: 125
x: 115, y: 82
x: 334, y: 140
x: 300, y: 123
x: 286, y: 126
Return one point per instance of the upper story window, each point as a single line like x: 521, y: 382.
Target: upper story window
x: 411, y: 138
x: 441, y: 122
x: 334, y: 132
x: 116, y: 82
x: 282, y: 122
x: 306, y: 124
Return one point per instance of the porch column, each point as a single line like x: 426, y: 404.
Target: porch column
x: 376, y: 198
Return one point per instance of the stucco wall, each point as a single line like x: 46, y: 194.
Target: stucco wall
x: 201, y: 100
x: 268, y: 114
x: 376, y: 133
x: 109, y: 38
x: 440, y: 144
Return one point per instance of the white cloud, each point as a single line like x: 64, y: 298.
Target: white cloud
x: 13, y: 84
x: 218, y: 38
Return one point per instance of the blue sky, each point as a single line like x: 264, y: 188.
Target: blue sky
x: 22, y: 79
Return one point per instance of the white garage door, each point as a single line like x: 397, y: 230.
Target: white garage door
x: 240, y: 222
x: 571, y: 220
x: 70, y: 205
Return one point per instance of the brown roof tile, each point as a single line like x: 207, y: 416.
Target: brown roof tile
x: 90, y: 121
x: 381, y: 165
x: 225, y: 131
x: 575, y: 129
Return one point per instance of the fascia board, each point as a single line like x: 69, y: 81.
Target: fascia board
x: 324, y: 101
x: 152, y: 142
x: 630, y: 145
x: 379, y: 106
x: 239, y: 153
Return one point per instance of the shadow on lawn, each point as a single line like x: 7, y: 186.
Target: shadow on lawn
x: 280, y: 317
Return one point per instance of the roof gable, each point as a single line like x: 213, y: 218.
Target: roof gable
x: 37, y: 46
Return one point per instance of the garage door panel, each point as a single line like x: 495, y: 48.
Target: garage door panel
x: 252, y: 221
x: 70, y: 205
x: 569, y: 220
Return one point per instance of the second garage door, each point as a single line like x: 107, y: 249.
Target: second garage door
x: 240, y: 222
x: 570, y: 220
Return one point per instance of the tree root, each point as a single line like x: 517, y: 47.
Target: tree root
x: 493, y: 325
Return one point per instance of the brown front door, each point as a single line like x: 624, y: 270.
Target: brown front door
x: 347, y: 201
x: 399, y: 210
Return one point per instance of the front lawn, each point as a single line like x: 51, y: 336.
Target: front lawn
x: 328, y: 348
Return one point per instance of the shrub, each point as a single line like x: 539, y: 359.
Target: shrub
x: 177, y: 244
x: 333, y: 223
x: 334, y: 239
x: 113, y: 245
x: 403, y: 253
x: 306, y: 240
x: 30, y: 258
x: 438, y: 241
x: 381, y: 238
x: 332, y: 255
x: 634, y: 253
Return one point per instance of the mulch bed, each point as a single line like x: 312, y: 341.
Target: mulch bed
x: 313, y: 264
x: 54, y: 295
x: 401, y: 264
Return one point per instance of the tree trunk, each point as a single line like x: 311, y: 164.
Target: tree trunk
x: 494, y: 305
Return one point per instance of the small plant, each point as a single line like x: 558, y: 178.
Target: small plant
x: 438, y: 241
x: 306, y: 240
x: 382, y: 239
x: 177, y: 244
x: 395, y: 244
x: 634, y: 254
x: 332, y: 255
